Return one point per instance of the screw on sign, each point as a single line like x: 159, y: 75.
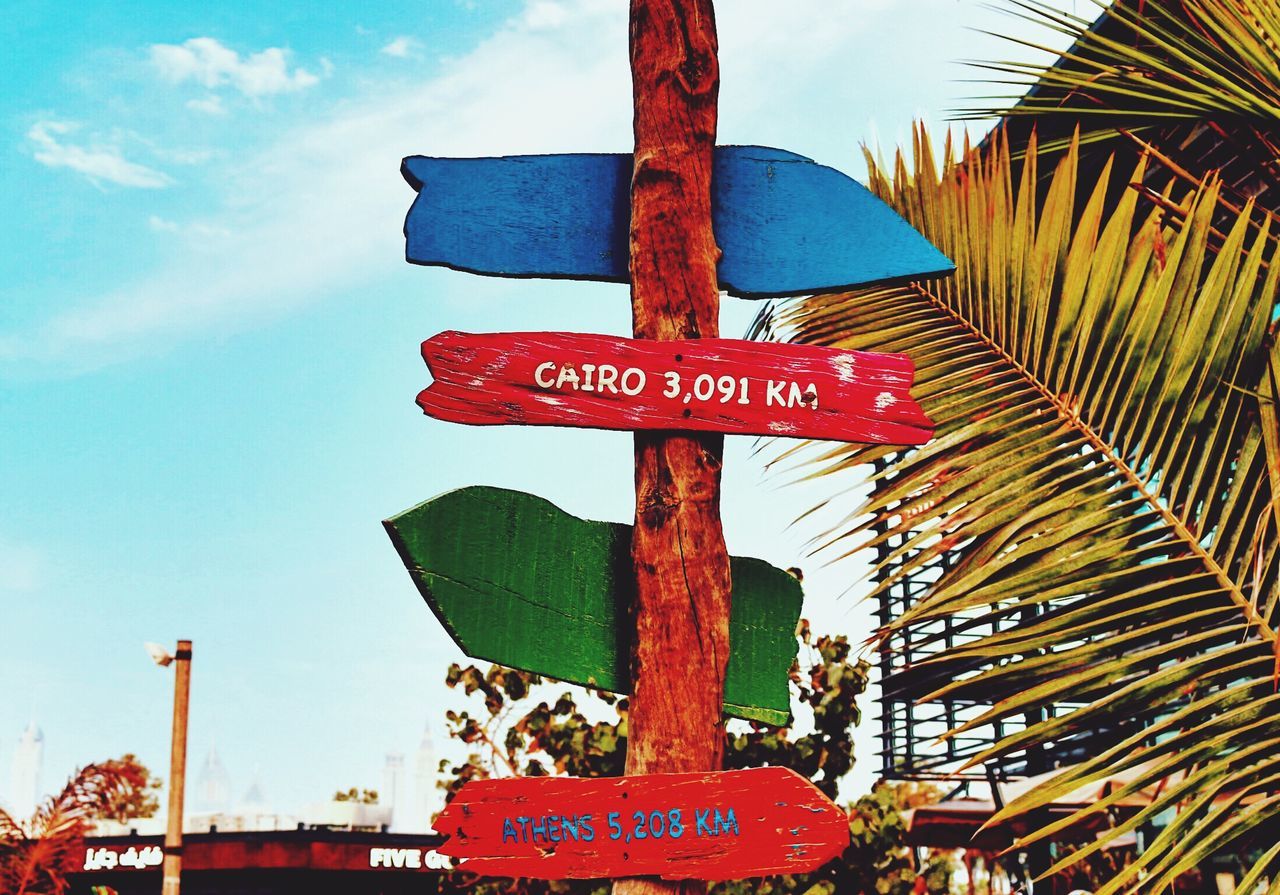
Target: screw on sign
x: 713, y: 826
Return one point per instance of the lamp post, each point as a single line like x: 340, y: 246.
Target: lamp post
x: 177, y: 760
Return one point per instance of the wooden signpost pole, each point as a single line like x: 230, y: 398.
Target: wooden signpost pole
x: 788, y: 226
x: 681, y: 609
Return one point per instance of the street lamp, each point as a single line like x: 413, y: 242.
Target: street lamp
x: 177, y: 759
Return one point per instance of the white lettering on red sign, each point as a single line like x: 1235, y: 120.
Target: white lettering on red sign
x: 703, y: 388
x: 108, y: 858
x: 400, y: 858
x: 407, y: 859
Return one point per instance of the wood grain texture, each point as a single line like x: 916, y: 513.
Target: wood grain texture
x: 682, y: 604
x: 786, y: 224
x: 495, y: 565
x: 779, y: 823
x: 708, y: 385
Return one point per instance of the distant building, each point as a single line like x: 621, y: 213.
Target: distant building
x: 407, y: 798
x: 213, y: 814
x: 25, y: 772
x: 254, y: 798
x: 213, y: 785
x: 427, y: 798
x: 280, y: 861
x: 335, y: 815
x: 251, y: 813
x: 393, y: 793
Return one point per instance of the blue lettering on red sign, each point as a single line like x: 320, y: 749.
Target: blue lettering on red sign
x: 551, y: 828
x: 669, y: 824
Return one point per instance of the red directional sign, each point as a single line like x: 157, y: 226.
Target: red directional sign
x: 714, y: 826
x: 716, y: 385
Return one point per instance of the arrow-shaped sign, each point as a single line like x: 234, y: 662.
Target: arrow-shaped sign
x: 785, y: 224
x: 713, y: 826
x: 716, y: 385
x: 516, y: 580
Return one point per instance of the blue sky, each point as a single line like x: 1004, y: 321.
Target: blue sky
x: 209, y: 340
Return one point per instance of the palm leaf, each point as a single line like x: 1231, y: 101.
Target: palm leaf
x: 1194, y: 83
x: 36, y: 856
x: 1100, y: 469
x: 1153, y: 62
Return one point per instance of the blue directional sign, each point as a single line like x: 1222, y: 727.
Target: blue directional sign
x: 785, y: 225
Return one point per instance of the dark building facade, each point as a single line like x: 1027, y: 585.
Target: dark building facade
x: 318, y: 862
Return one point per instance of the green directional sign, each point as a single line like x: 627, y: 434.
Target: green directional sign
x: 517, y: 581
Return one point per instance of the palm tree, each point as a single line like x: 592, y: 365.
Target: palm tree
x: 1105, y: 479
x: 37, y: 855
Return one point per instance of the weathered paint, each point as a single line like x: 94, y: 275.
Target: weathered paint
x: 516, y: 580
x: 731, y: 825
x: 682, y: 610
x: 785, y: 224
x: 710, y: 385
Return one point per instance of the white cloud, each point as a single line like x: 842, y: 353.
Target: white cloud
x: 184, y: 156
x: 210, y: 105
x: 102, y: 163
x: 199, y: 233
x: 320, y: 210
x: 401, y: 47
x: 541, y: 14
x: 211, y: 64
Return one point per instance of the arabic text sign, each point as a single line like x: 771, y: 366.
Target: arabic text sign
x: 712, y: 826
x: 131, y: 858
x: 715, y: 385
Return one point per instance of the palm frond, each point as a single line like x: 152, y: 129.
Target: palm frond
x: 1100, y: 469
x: 1153, y: 62
x: 36, y: 856
x: 1268, y: 398
x: 1195, y: 84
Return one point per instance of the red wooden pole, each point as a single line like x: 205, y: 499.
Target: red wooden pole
x: 681, y: 612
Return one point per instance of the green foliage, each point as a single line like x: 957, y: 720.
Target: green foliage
x: 362, y: 796
x: 877, y: 860
x: 1103, y: 372
x: 509, y: 736
x: 138, y: 798
x: 1099, y: 466
x: 1163, y: 61
x: 830, y: 686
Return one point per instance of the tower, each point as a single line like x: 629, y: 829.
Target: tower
x: 392, y: 793
x: 255, y: 796
x: 24, y: 777
x: 426, y: 797
x: 213, y: 788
